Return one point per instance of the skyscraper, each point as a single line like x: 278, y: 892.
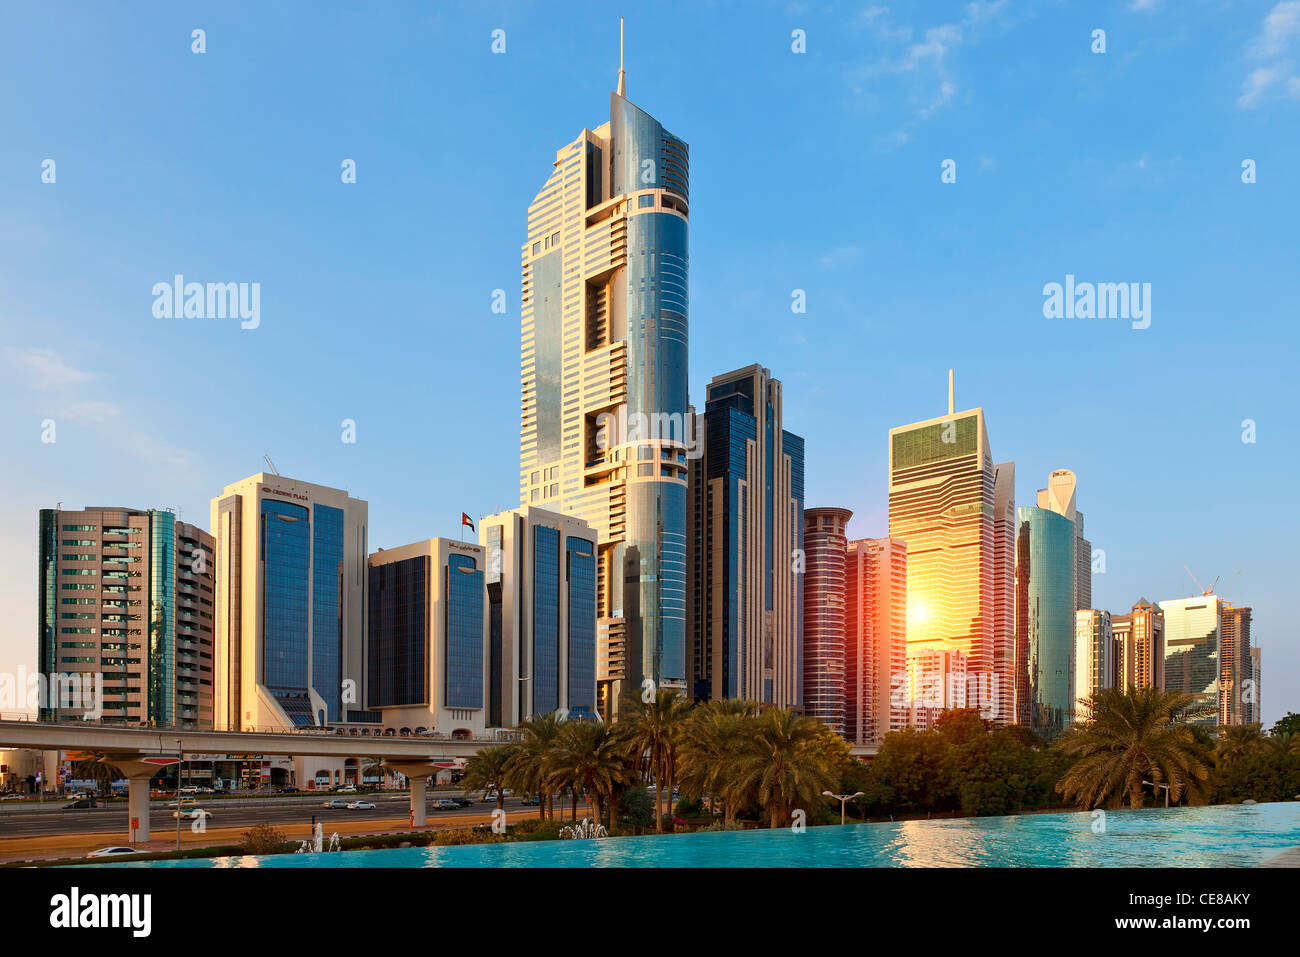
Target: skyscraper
x: 826, y: 551
x: 1193, y: 651
x: 125, y: 611
x: 1004, y: 590
x: 605, y: 415
x: 745, y: 523
x: 942, y: 503
x: 875, y: 652
x: 1050, y: 558
x: 1236, y: 668
x: 291, y: 603
x: 1045, y: 620
x: 427, y: 647
x: 1094, y: 656
x: 541, y: 583
x: 1139, y: 647
x: 1253, y: 713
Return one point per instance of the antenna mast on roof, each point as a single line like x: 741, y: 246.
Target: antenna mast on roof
x: 622, y: 84
x: 271, y: 464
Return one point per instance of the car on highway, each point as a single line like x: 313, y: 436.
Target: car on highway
x: 444, y: 805
x: 462, y: 802
x: 13, y: 797
x: 361, y: 806
x: 288, y: 789
x: 533, y: 801
x: 183, y: 802
x: 192, y: 789
x: 332, y: 804
x: 345, y: 789
x: 192, y: 813
x: 113, y: 851
x: 79, y: 805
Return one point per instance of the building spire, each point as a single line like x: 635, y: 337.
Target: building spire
x: 951, y: 405
x: 622, y: 85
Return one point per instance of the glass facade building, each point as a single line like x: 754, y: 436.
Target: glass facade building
x: 290, y: 611
x: 1193, y: 632
x: 745, y: 527
x: 1045, y: 620
x: 126, y: 599
x: 463, y: 645
x: 397, y: 671
x: 604, y: 375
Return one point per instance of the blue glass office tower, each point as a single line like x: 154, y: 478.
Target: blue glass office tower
x: 745, y: 523
x: 1045, y: 618
x: 605, y: 420
x: 542, y: 626
x: 290, y: 606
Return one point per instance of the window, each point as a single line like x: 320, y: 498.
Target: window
x: 645, y: 200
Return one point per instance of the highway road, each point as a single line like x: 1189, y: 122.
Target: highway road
x: 31, y: 819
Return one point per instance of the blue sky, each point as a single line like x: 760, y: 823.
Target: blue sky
x: 817, y: 171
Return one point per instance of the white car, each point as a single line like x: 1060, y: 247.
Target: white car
x: 192, y: 813
x: 361, y: 806
x: 112, y: 851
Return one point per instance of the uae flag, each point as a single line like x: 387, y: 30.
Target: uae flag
x: 466, y: 520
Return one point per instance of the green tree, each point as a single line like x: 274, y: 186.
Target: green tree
x: 528, y: 765
x: 93, y: 767
x: 784, y: 763
x: 1131, y: 737
x: 487, y: 771
x: 1291, y: 724
x: 915, y: 769
x: 651, y: 736
x: 588, y: 757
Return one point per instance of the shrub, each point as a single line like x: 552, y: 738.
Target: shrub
x: 262, y: 839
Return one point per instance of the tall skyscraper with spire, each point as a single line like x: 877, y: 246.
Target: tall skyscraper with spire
x: 605, y: 419
x: 943, y: 503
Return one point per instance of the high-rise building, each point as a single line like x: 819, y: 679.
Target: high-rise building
x: 605, y: 413
x: 1004, y: 589
x: 1059, y: 496
x: 541, y: 584
x: 942, y: 502
x: 875, y: 652
x: 937, y: 682
x: 1045, y: 620
x: 826, y: 554
x: 291, y: 604
x: 1139, y: 647
x: 1236, y: 668
x: 427, y: 647
x: 1253, y: 712
x: 1094, y: 656
x: 744, y: 526
x: 125, y: 614
x: 1193, y: 651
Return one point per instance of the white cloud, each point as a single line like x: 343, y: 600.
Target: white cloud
x: 1273, y: 53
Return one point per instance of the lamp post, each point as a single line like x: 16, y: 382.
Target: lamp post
x: 1165, y: 786
x: 180, y: 765
x: 844, y: 799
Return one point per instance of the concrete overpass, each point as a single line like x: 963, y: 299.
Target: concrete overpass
x: 141, y: 752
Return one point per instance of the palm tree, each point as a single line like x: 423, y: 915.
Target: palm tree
x: 710, y: 742
x: 1235, y: 742
x: 527, y: 771
x: 781, y: 764
x: 91, y: 767
x: 1129, y: 737
x: 588, y: 757
x: 1286, y: 743
x: 651, y: 733
x: 488, y: 770
x: 375, y: 767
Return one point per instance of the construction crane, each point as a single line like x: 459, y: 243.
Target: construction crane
x: 1210, y: 591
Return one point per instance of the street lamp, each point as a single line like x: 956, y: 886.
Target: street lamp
x: 844, y: 799
x: 1165, y: 786
x: 180, y: 766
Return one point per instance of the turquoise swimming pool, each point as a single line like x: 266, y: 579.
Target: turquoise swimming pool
x: 1225, y: 835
